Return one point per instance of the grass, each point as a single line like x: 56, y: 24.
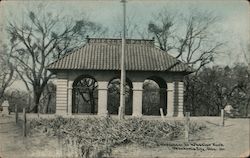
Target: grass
x: 96, y: 137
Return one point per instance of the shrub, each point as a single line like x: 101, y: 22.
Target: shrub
x: 97, y: 136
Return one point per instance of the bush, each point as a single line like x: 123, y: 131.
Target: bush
x: 95, y: 136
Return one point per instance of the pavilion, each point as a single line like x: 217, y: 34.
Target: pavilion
x: 99, y: 60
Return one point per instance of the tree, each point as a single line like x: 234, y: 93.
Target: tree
x: 216, y: 87
x: 114, y: 97
x: 7, y: 75
x: 240, y: 96
x: 48, y: 99
x: 85, y: 95
x: 163, y: 29
x: 194, y: 42
x: 151, y: 98
x: 42, y: 37
x: 17, y: 98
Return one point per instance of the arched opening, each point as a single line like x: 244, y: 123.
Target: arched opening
x: 84, y: 95
x: 154, y: 96
x: 114, y: 96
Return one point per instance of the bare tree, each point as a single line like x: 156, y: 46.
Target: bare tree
x: 198, y: 46
x: 7, y: 75
x: 41, y: 37
x: 163, y: 29
x: 194, y: 42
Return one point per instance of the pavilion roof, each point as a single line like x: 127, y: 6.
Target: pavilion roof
x: 105, y: 54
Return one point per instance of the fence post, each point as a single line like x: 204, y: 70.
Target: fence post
x: 222, y: 119
x: 16, y: 113
x: 24, y: 122
x: 38, y: 109
x: 187, y: 119
x: 59, y: 141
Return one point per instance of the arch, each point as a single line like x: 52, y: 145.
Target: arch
x: 84, y: 95
x: 154, y: 96
x: 114, y: 96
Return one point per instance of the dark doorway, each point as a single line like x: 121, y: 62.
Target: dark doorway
x: 84, y: 95
x: 114, y: 97
x: 154, y: 96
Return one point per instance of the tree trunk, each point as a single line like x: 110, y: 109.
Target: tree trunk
x: 48, y: 103
x: 48, y: 100
x: 218, y: 109
x: 36, y: 98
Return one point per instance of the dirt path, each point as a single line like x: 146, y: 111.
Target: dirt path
x: 14, y: 145
x: 231, y: 141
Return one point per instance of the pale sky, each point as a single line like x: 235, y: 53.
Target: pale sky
x: 234, y: 25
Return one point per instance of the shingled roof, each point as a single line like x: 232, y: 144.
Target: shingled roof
x: 105, y: 54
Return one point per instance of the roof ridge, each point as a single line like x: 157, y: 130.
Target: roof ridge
x: 119, y: 41
x: 121, y: 38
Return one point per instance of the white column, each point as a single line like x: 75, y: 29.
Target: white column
x: 170, y: 101
x: 163, y: 99
x: 137, y: 99
x: 70, y: 87
x: 102, y: 98
x: 61, y: 94
x: 180, y: 99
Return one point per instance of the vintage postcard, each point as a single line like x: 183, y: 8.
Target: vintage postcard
x: 124, y: 78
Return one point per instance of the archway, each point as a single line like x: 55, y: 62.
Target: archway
x: 114, y: 96
x: 84, y: 95
x: 154, y: 96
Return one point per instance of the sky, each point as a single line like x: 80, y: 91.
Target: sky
x: 234, y: 24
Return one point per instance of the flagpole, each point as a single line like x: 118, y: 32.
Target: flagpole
x: 123, y: 71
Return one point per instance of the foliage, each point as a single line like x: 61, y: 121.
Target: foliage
x: 17, y: 98
x: 151, y: 98
x: 114, y: 97
x: 213, y: 88
x: 97, y: 136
